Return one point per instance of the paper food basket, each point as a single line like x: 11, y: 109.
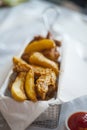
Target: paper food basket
x: 46, y: 113
x: 21, y: 115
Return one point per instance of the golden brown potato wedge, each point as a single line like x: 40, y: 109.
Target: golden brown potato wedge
x: 39, y: 46
x: 17, y: 89
x: 38, y: 59
x: 30, y: 87
x: 20, y: 65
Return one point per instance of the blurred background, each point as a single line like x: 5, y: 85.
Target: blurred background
x: 20, y: 20
x: 79, y: 4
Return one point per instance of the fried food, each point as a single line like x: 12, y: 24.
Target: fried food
x: 35, y: 73
x: 50, y: 36
x: 12, y: 79
x: 30, y: 86
x: 44, y: 83
x: 39, y: 46
x: 58, y: 42
x: 51, y: 54
x: 17, y: 89
x: 37, y: 38
x: 20, y: 65
x: 38, y: 59
x: 25, y: 57
x: 40, y: 70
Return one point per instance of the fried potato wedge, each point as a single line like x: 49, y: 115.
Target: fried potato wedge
x: 38, y: 59
x: 17, y: 89
x: 20, y: 65
x: 30, y: 87
x: 39, y: 45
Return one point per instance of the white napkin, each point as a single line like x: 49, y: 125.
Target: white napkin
x: 73, y: 76
x: 20, y: 115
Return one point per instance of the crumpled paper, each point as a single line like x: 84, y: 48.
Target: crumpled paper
x: 71, y: 85
x: 21, y: 115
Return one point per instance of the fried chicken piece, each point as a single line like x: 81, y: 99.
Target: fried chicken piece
x: 52, y: 54
x: 46, y: 83
x: 20, y: 65
x: 49, y: 35
x: 40, y: 70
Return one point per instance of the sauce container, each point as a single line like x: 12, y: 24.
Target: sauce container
x: 77, y: 121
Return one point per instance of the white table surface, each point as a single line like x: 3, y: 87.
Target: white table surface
x: 18, y: 23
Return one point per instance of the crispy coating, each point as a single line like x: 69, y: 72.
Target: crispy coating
x: 45, y: 83
x: 40, y: 70
x: 20, y: 65
x: 35, y: 73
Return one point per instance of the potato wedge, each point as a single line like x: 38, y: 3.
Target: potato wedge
x: 17, y: 89
x: 39, y: 46
x: 38, y: 59
x: 20, y: 65
x: 30, y: 87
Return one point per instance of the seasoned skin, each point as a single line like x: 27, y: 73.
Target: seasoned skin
x: 39, y: 59
x: 17, y: 89
x: 30, y: 86
x: 39, y: 46
x: 44, y: 83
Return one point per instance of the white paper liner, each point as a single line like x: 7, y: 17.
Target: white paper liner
x: 71, y: 85
x: 21, y: 115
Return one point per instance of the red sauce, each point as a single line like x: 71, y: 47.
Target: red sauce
x: 78, y: 121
